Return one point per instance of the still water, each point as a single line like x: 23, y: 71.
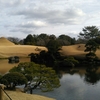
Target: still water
x: 5, y: 66
x: 73, y: 86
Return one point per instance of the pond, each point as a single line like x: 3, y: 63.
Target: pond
x: 5, y: 66
x: 77, y: 86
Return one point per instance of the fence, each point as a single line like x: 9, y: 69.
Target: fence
x: 2, y: 92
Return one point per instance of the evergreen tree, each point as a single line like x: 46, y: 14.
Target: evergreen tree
x: 38, y: 75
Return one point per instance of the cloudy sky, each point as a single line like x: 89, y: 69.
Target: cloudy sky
x: 18, y: 18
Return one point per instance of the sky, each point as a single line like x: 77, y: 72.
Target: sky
x: 18, y: 18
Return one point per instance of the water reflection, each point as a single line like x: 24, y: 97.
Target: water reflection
x: 74, y: 86
x: 91, y: 75
x: 5, y: 66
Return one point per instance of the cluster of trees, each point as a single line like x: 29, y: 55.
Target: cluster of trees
x: 53, y: 57
x: 32, y: 75
x: 43, y: 39
x: 88, y: 33
x: 91, y: 35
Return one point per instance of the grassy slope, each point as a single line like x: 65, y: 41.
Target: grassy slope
x: 16, y: 95
x: 7, y: 49
x: 76, y: 50
x: 18, y: 50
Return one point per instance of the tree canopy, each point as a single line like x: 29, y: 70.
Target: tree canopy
x: 91, y: 34
x: 13, y: 79
x: 29, y: 40
x: 38, y: 75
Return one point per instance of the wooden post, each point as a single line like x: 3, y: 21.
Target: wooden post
x: 1, y: 91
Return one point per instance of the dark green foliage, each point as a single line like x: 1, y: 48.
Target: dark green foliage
x: 52, y: 57
x: 43, y: 39
x: 13, y: 79
x: 65, y: 40
x: 53, y: 53
x: 40, y: 75
x: 34, y: 57
x: 48, y: 57
x: 68, y: 62
x: 29, y: 40
x: 89, y: 32
x: 53, y: 46
x: 91, y: 35
x: 91, y: 55
x: 97, y: 40
x: 91, y: 46
x: 71, y: 61
x: 29, y: 77
x: 0, y: 76
x: 91, y: 75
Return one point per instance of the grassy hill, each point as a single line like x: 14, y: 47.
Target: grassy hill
x: 76, y: 50
x: 17, y: 95
x: 8, y: 48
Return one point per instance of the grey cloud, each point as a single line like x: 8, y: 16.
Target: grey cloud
x: 68, y: 16
x: 32, y: 24
x: 26, y: 25
x: 6, y: 4
x: 22, y: 30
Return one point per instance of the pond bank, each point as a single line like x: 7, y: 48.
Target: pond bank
x: 17, y: 95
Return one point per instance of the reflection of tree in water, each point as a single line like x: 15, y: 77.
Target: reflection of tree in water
x: 60, y: 72
x: 91, y: 76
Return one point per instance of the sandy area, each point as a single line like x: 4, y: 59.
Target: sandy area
x: 76, y: 50
x: 23, y: 96
x: 19, y: 50
x: 7, y: 49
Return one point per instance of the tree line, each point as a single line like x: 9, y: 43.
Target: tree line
x: 88, y: 32
x: 43, y: 39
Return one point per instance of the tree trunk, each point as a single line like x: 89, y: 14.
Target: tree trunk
x: 35, y: 86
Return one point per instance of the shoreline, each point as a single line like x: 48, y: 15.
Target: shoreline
x: 17, y: 95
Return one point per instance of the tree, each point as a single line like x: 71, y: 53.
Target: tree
x: 89, y: 32
x: 13, y: 79
x: 14, y: 40
x: 29, y: 40
x: 67, y: 63
x: 53, y: 46
x: 91, y: 46
x: 53, y: 53
x: 43, y: 39
x: 42, y: 76
x: 66, y: 40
